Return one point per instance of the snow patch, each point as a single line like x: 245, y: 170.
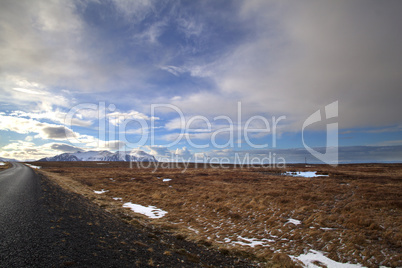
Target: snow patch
x: 32, y: 166
x: 251, y: 242
x: 327, y: 229
x: 294, y: 221
x: 149, y: 211
x: 2, y: 164
x: 305, y: 174
x: 166, y: 180
x: 194, y: 230
x: 117, y: 198
x: 101, y: 191
x: 315, y: 256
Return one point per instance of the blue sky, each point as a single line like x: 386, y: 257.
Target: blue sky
x: 172, y: 78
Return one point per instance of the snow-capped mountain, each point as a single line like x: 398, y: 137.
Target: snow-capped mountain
x: 138, y: 156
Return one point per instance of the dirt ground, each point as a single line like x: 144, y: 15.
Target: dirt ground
x: 354, y: 214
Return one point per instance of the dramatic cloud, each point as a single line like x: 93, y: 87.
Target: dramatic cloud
x: 211, y: 59
x: 303, y: 59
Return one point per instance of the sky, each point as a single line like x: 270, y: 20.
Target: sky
x: 201, y: 80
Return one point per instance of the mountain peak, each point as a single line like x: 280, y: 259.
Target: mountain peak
x: 101, y: 156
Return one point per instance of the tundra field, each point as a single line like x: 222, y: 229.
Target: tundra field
x: 3, y: 166
x: 352, y: 215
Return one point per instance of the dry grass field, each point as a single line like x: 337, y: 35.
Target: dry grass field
x: 354, y: 215
x: 4, y: 165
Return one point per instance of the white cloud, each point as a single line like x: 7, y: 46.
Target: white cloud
x: 55, y: 116
x: 190, y: 26
x: 183, y: 153
x: 116, y: 118
x: 159, y: 151
x: 151, y: 34
x: 23, y: 150
x: 177, y: 71
x: 43, y: 130
x: 134, y: 10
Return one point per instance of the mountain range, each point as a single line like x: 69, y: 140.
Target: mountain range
x: 3, y: 159
x: 138, y: 156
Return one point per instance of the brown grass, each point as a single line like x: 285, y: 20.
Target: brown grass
x: 354, y: 215
x: 5, y: 166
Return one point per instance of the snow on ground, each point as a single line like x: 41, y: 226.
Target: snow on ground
x: 32, y: 166
x: 194, y: 230
x: 327, y: 229
x: 101, y: 191
x: 306, y: 174
x: 295, y: 222
x: 251, y: 242
x: 166, y: 180
x: 313, y: 258
x: 2, y: 164
x: 149, y: 211
x: 117, y: 198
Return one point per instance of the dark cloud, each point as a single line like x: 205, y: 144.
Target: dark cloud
x: 65, y: 148
x: 57, y: 132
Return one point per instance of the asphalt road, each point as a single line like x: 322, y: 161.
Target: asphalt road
x: 42, y: 225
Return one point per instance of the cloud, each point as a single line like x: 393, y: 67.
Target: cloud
x: 183, y: 153
x: 134, y: 10
x: 30, y: 95
x: 55, y: 116
x: 301, y: 59
x: 159, y: 151
x: 43, y: 130
x: 116, y: 118
x: 56, y: 133
x: 177, y: 71
x: 390, y: 143
x: 275, y: 58
x: 349, y: 154
x: 64, y: 147
x: 49, y: 30
x: 165, y: 154
x: 24, y: 150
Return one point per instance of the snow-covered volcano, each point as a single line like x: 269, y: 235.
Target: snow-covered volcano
x: 138, y: 156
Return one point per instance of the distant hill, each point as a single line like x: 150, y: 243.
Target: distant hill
x: 3, y: 159
x: 139, y: 156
